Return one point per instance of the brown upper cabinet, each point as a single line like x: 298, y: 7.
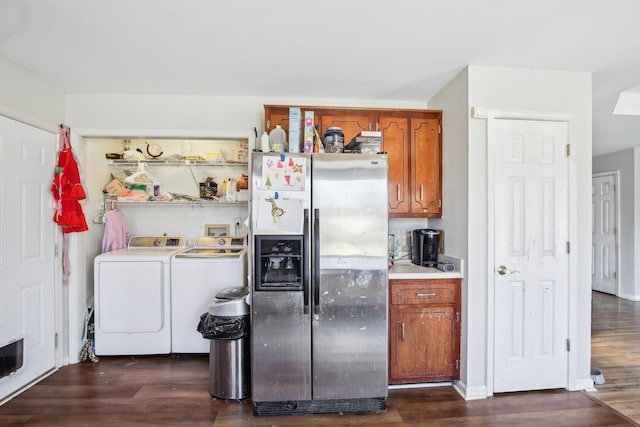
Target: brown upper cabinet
x: 411, y: 138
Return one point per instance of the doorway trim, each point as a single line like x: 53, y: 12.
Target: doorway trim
x: 497, y: 114
x: 616, y: 180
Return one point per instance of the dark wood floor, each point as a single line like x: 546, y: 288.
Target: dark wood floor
x: 615, y: 350
x: 174, y: 390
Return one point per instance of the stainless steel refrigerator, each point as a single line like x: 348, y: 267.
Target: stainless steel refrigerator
x: 319, y: 322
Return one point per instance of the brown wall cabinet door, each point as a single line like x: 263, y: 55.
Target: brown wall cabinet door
x: 426, y: 167
x: 352, y: 122
x: 277, y: 115
x: 395, y: 136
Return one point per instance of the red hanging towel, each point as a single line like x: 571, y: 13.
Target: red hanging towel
x: 67, y: 188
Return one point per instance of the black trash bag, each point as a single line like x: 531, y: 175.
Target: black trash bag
x: 223, y: 328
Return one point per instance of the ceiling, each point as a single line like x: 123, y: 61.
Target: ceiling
x: 401, y: 50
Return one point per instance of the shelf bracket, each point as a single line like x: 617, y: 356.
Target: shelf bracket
x: 195, y: 178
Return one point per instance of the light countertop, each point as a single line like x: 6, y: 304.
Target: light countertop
x: 405, y: 269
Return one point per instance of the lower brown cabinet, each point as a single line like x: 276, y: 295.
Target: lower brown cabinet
x: 424, y: 330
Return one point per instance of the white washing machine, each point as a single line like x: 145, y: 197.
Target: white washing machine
x: 132, y: 294
x: 197, y: 275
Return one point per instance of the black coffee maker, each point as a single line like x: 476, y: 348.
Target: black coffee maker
x: 424, y: 247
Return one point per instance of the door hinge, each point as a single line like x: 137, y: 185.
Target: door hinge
x: 268, y: 124
x: 439, y: 128
x: 55, y: 340
x: 615, y: 274
x: 457, y: 363
x: 568, y: 247
x: 568, y: 344
x: 568, y: 150
x: 458, y: 316
x: 55, y: 250
x: 439, y: 203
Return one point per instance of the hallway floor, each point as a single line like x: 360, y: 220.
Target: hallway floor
x: 615, y: 351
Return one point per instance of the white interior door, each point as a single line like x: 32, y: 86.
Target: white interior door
x: 530, y: 254
x: 27, y: 231
x: 604, y: 263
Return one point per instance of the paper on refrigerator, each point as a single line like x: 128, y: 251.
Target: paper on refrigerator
x: 277, y: 213
x: 282, y: 172
x: 280, y: 200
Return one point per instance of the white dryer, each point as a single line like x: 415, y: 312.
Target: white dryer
x: 132, y: 297
x: 197, y: 275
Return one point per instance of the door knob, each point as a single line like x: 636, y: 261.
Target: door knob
x: 502, y: 270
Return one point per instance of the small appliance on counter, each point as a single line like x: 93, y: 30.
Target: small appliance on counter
x: 424, y: 247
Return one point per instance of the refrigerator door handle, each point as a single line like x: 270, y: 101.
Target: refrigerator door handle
x: 316, y: 261
x: 306, y: 266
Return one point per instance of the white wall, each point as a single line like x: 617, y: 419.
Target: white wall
x: 453, y: 100
x: 521, y: 90
x: 29, y: 99
x: 127, y: 111
x: 628, y: 163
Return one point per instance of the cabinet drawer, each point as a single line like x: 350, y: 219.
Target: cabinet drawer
x: 424, y: 292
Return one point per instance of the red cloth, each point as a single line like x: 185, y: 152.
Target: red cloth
x: 67, y: 189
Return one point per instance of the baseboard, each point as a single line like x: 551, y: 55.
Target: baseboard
x: 470, y: 393
x: 630, y: 297
x: 583, y: 384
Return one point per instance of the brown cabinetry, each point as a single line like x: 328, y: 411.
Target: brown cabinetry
x: 424, y: 330
x: 412, y: 140
x: 351, y: 120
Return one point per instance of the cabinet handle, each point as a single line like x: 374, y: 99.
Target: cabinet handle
x: 402, y: 332
x: 426, y: 295
x: 421, y: 192
x: 398, y: 191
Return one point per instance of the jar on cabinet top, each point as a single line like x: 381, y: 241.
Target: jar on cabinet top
x: 334, y: 140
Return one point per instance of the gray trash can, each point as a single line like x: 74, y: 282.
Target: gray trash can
x: 227, y: 326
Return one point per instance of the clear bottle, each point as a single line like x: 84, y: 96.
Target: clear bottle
x: 264, y: 142
x: 278, y: 139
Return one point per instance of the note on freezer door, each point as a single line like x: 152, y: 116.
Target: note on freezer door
x: 282, y: 172
x: 282, y: 214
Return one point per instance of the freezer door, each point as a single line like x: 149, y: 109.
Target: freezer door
x: 280, y: 347
x: 280, y: 191
x: 349, y: 322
